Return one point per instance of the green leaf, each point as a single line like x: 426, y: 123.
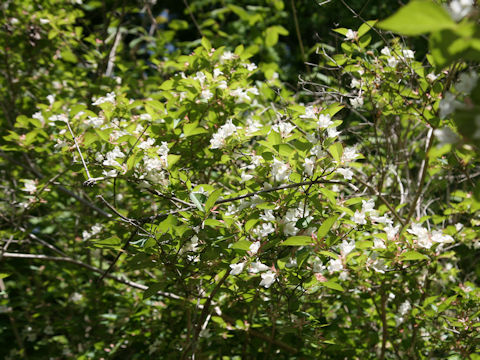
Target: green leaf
x: 333, y: 285
x: 206, y: 44
x: 3, y: 275
x: 414, y: 255
x: 297, y: 241
x: 418, y: 17
x: 366, y: 27
x: 336, y: 150
x: 242, y: 245
x: 212, y: 198
x: 111, y: 243
x: 152, y: 290
x: 196, y: 199
x: 326, y: 226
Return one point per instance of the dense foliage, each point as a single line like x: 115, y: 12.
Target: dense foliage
x: 239, y: 179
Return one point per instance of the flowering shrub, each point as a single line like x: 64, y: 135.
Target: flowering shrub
x: 221, y: 216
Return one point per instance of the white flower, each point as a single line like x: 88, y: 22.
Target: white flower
x: 359, y: 218
x: 226, y: 130
x: 111, y: 173
x: 368, y: 206
x: 236, y: 268
x: 240, y: 94
x: 381, y: 219
x: 94, y: 121
x: 404, y: 308
x: 431, y: 77
x: 356, y: 102
x: 244, y: 177
x: 267, y: 215
x: 324, y: 121
x: 146, y: 117
x: 350, y: 35
x: 378, y: 243
x: 458, y: 9
x: 346, y: 173
x: 192, y: 245
x: 51, y: 99
x: 458, y: 226
x: 280, y: 170
x: 408, y: 54
x: 309, y: 165
x: 335, y: 265
x: 423, y: 237
x: 253, y: 90
x: 217, y: 72
x: 466, y: 82
x: 109, y: 98
x: 44, y: 21
x: 222, y: 85
x: 257, y: 267
x: 250, y: 66
x: 252, y: 126
x: 318, y: 266
x: 439, y: 237
x: 349, y: 154
x: 392, y: 62
x: 391, y: 231
x: 30, y: 186
x: 347, y: 247
x: 448, y: 105
x: 445, y: 135
x: 386, y: 51
x: 263, y: 230
x: 309, y: 113
x: 283, y: 128
x: 255, y: 247
x: 355, y: 83
x: 332, y: 132
x: 200, y: 77
x: 147, y: 144
x: 206, y: 94
x: 267, y: 279
x: 227, y: 56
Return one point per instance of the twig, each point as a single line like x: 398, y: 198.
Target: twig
x: 421, y: 180
x: 380, y: 196
x: 111, y: 55
x: 89, y: 267
x: 193, y: 18
x: 78, y: 149
x: 299, y: 36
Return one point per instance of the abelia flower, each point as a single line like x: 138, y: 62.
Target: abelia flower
x: 309, y: 165
x: 226, y: 130
x: 267, y: 279
x: 335, y: 265
x: 109, y: 98
x: 346, y: 247
x: 236, y: 268
x: 257, y: 267
x: 283, y: 128
x: 346, y: 173
x: 254, y: 247
x: 324, y: 121
x: 280, y: 170
x: 359, y: 218
x: 351, y: 35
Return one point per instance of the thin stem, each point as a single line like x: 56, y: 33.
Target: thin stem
x: 78, y: 148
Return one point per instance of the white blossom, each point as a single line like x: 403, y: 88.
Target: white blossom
x: 445, y: 135
x: 359, y: 218
x: 267, y: 215
x: 448, y: 105
x: 458, y: 9
x: 206, y: 94
x: 467, y: 82
x: 378, y: 243
x: 355, y: 83
x: 349, y: 154
x: 347, y: 247
x: 408, y: 54
x: 254, y: 247
x: 439, y: 237
x: 332, y: 132
x: 309, y: 165
x: 226, y: 130
x: 257, y: 267
x: 309, y: 113
x: 146, y: 117
x: 404, y: 308
x: 236, y: 268
x: 392, y: 61
x: 391, y: 231
x: 94, y: 121
x: 356, y: 102
x: 346, y: 173
x: 283, y: 128
x: 263, y: 230
x: 51, y: 99
x: 351, y: 35
x: 29, y: 186
x: 431, y: 77
x: 280, y: 170
x: 109, y: 98
x: 267, y: 279
x: 227, y: 56
x: 385, y: 51
x: 335, y: 265
x: 324, y: 121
